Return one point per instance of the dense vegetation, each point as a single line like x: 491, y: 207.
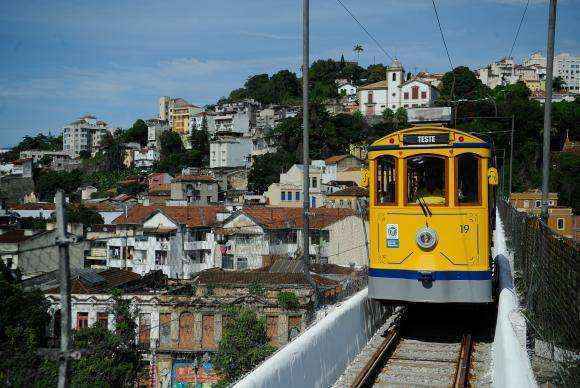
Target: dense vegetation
x: 109, y: 359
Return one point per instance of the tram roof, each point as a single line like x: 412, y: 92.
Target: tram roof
x: 456, y: 138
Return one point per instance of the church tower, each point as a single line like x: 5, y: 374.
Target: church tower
x: 395, y: 77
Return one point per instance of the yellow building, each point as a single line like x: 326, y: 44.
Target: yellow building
x: 347, y: 198
x: 181, y: 116
x: 560, y: 218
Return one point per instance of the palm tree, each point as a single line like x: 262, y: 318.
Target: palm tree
x: 358, y: 49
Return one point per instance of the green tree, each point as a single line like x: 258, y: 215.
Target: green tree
x: 244, y: 344
x: 21, y: 334
x: 84, y: 154
x: 112, y: 152
x: 137, y: 133
x: 285, y: 87
x: 558, y: 84
x: 400, y: 118
x: 78, y: 213
x: 237, y: 95
x: 48, y: 182
x: 376, y: 73
x: 110, y: 359
x: 388, y: 116
x: 170, y: 143
x: 266, y: 169
x: 258, y: 88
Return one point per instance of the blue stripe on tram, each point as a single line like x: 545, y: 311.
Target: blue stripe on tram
x: 437, y: 275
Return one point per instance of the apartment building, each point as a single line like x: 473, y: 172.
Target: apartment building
x: 180, y: 116
x: 567, y: 66
x: 560, y: 218
x: 257, y: 236
x: 288, y: 192
x: 38, y: 155
x: 145, y: 158
x: 177, y: 240
x: 84, y: 134
x: 194, y: 190
x: 155, y: 128
x: 230, y: 151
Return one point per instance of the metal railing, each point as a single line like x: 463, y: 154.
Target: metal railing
x: 547, y: 277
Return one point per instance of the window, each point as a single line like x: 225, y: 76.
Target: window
x: 103, y: 319
x: 227, y: 262
x: 207, y: 332
x: 426, y: 178
x: 406, y: 95
x: 394, y: 76
x: 272, y: 328
x: 560, y: 224
x: 526, y: 204
x: 313, y: 201
x: 423, y: 95
x: 144, y: 329
x: 386, y: 183
x: 289, y: 196
x: 314, y: 182
x: 370, y: 98
x: 160, y: 257
x: 468, y: 179
x: 415, y: 92
x: 282, y: 196
x: 242, y: 263
x: 82, y: 320
x: 538, y: 204
x: 298, y: 195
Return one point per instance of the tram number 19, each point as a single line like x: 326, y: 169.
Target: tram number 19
x: 463, y: 228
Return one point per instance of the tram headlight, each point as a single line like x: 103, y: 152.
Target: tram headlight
x: 426, y: 237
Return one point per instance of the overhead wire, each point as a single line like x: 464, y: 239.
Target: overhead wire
x: 518, y: 29
x: 364, y: 29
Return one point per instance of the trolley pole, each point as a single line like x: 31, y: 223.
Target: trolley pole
x: 65, y: 323
x: 511, y: 157
x: 548, y: 108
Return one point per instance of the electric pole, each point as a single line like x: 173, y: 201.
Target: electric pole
x: 305, y: 146
x: 65, y: 309
x: 548, y: 108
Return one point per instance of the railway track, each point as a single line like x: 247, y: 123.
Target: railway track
x: 419, y: 353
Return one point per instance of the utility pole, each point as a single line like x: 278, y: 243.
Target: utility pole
x: 511, y: 156
x: 305, y: 146
x: 548, y: 108
x: 65, y: 309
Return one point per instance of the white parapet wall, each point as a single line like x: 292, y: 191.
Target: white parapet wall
x: 511, y: 366
x: 317, y: 357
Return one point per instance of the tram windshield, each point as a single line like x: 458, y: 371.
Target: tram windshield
x: 426, y: 179
x: 386, y: 188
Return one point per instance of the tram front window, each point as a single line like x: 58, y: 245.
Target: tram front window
x: 468, y: 179
x: 426, y: 175
x: 386, y: 187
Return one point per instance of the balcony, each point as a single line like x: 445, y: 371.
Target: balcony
x: 196, y: 245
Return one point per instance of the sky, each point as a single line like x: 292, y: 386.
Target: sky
x: 114, y: 59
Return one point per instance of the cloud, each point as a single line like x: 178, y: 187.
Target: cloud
x: 267, y: 36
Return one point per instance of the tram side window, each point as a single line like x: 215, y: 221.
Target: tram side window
x: 386, y: 187
x: 468, y: 179
x: 426, y: 177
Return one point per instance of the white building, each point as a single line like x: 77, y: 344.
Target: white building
x: 19, y: 167
x: 288, y: 192
x: 568, y: 67
x: 155, y: 128
x: 256, y: 235
x: 229, y: 151
x: 395, y: 93
x: 178, y: 240
x: 348, y: 90
x: 42, y: 210
x: 145, y: 158
x: 84, y: 134
x: 38, y: 155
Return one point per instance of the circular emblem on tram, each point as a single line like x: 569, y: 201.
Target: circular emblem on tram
x: 426, y: 237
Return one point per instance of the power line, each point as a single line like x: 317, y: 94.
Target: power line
x: 365, y: 29
x: 442, y: 35
x: 518, y: 30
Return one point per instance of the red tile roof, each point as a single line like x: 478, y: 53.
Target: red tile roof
x: 335, y: 159
x: 192, y: 216
x: 291, y: 218
x: 193, y: 178
x: 219, y: 276
x: 13, y: 236
x: 353, y: 191
x: 33, y: 206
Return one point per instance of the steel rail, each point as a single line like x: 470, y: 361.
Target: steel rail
x: 364, y: 376
x: 463, y: 363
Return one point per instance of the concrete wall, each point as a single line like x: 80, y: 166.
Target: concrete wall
x: 511, y: 367
x: 317, y: 357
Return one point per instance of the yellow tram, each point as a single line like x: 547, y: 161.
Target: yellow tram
x: 430, y: 213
